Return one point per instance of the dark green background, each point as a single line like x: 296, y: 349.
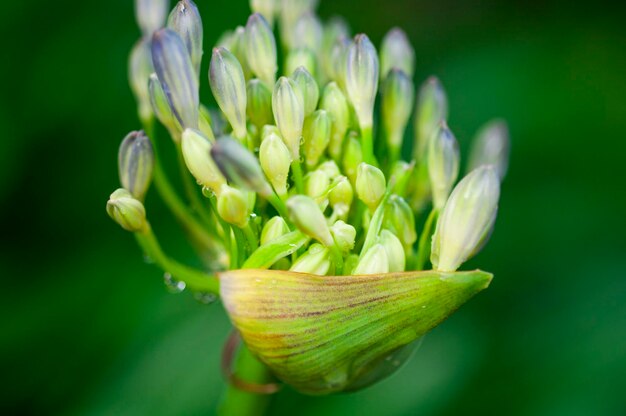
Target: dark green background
x: 88, y: 328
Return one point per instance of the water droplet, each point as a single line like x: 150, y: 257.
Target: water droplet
x: 205, y: 298
x: 207, y: 192
x: 293, y: 245
x: 173, y: 285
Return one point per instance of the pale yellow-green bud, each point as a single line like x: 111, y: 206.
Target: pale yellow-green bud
x: 337, y: 57
x: 290, y: 12
x: 432, y: 108
x: 341, y: 196
x: 162, y: 109
x: 275, y: 160
x: 308, y: 32
x: 344, y: 235
x: 396, y: 107
x: 261, y: 49
x: 331, y: 169
x: 238, y: 48
x: 139, y: 70
x: 301, y: 57
x: 352, y: 156
x: 288, y: 107
x: 400, y: 220
x: 259, y: 106
x: 229, y: 89
x: 196, y: 149
x: 185, y: 20
x: 316, y: 135
x: 274, y: 228
x: 316, y: 184
x: 467, y: 219
x: 335, y: 103
x: 267, y: 8
x: 336, y: 28
x: 269, y: 129
x: 491, y: 147
x: 150, y: 15
x: 374, y: 261
x: 233, y: 206
x: 127, y: 211
x: 308, y: 87
x: 136, y: 163
x: 396, y: 52
x: 370, y: 185
x: 315, y: 261
x: 361, y: 78
x: 394, y: 249
x: 307, y: 216
x: 443, y: 164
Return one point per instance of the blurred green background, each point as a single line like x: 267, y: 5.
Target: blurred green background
x: 88, y: 327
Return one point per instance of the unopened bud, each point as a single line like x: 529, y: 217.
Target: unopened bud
x: 352, y: 157
x: 150, y: 15
x: 308, y: 87
x: 491, y: 147
x: 316, y: 185
x: 337, y: 57
x: 177, y: 76
x: 397, y: 105
x: 400, y: 220
x: 301, y: 57
x: 395, y: 251
x: 161, y: 107
x: 267, y: 8
x: 275, y: 160
x: 261, y: 49
x: 307, y: 216
x: 344, y: 235
x: 370, y: 185
x: 185, y: 20
x: 232, y: 206
x: 336, y: 105
x: 335, y: 29
x: 139, y: 70
x: 396, y: 52
x: 467, y: 219
x: 331, y: 169
x: 316, y: 134
x: 288, y: 106
x: 374, y: 261
x: 274, y: 228
x: 196, y: 149
x: 136, y: 163
x: 362, y: 78
x: 443, y: 164
x: 269, y: 129
x: 229, y: 89
x: 308, y: 32
x: 238, y: 48
x: 127, y: 211
x: 432, y: 108
x: 315, y: 261
x: 259, y: 106
x: 340, y: 197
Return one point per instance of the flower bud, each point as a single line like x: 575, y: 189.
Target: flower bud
x: 301, y: 57
x: 150, y: 15
x: 267, y: 8
x: 259, y: 106
x: 467, y: 219
x: 396, y: 52
x: 432, y: 108
x: 491, y: 147
x: 308, y: 32
x: 240, y: 166
x: 340, y: 197
x: 443, y: 164
x: 336, y: 28
x: 307, y: 216
x: 344, y: 235
x: 196, y: 149
x: 127, y: 211
x: 394, y: 250
x: 290, y: 12
x: 352, y: 157
x: 316, y: 184
x: 274, y: 228
x: 308, y: 88
x: 261, y: 49
x: 315, y: 261
x: 397, y: 105
x: 232, y: 206
x: 337, y: 57
x: 275, y: 160
x: 269, y: 129
x: 370, y: 185
x: 362, y: 78
x: 177, y: 76
x: 336, y: 105
x: 374, y: 261
x: 185, y: 20
x: 400, y: 220
x: 288, y: 106
x: 161, y: 107
x: 316, y: 134
x: 331, y: 169
x: 136, y: 163
x: 139, y: 70
x: 229, y: 89
x: 238, y: 48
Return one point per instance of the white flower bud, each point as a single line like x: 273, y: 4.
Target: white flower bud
x: 432, y: 108
x: 274, y: 228
x: 335, y: 103
x: 288, y: 107
x: 344, y: 235
x: 400, y: 220
x: 397, y: 105
x: 316, y: 134
x: 275, y: 160
x: 308, y: 88
x: 315, y: 261
x: 300, y: 57
x: 139, y: 70
x: 261, y: 49
x: 308, y: 32
x: 307, y: 216
x: 341, y: 196
x: 361, y: 78
x: 335, y: 29
x: 185, y: 20
x: 259, y: 106
x: 370, y: 185
x: 127, y: 211
x: 267, y: 8
x: 491, y: 147
x: 316, y: 185
x: 396, y: 52
x: 136, y: 163
x: 196, y: 149
x: 443, y: 164
x: 374, y: 261
x: 331, y: 169
x: 150, y: 15
x: 352, y: 157
x: 395, y: 251
x: 232, y: 206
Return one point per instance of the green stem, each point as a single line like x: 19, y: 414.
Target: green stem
x: 367, y: 145
x: 195, y: 279
x: 251, y: 237
x: 337, y: 257
x: 375, y: 224
x: 423, y: 247
x: 279, y: 205
x: 296, y: 169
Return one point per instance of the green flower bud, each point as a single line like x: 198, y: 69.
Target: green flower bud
x: 136, y: 163
x: 401, y: 175
x: 443, y: 164
x: 308, y: 32
x: 337, y: 57
x: 432, y: 108
x: 301, y: 57
x: 240, y: 166
x: 177, y: 76
x: 275, y: 160
x: 196, y: 149
x: 344, y: 235
x: 185, y: 20
x: 374, y: 261
x: 316, y: 134
x: 308, y: 88
x: 400, y: 220
x: 261, y: 49
x: 229, y: 89
x: 290, y: 12
x: 394, y: 250
x: 316, y: 184
x: 397, y: 105
x: 335, y: 29
x: 269, y: 129
x: 307, y: 216
x: 238, y: 48
x: 288, y: 106
x: 161, y: 108
x: 370, y: 185
x: 259, y: 106
x: 150, y: 15
x: 267, y: 8
x: 204, y: 124
x: 331, y: 169
x: 396, y: 52
x: 336, y: 105
x: 139, y: 70
x: 127, y: 211
x: 273, y: 229
x: 362, y: 78
x: 467, y: 219
x: 232, y: 206
x: 315, y: 261
x: 352, y: 157
x: 340, y: 197
x: 491, y: 147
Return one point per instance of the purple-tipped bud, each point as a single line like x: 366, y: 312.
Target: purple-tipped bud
x: 135, y: 163
x: 185, y: 20
x: 396, y: 52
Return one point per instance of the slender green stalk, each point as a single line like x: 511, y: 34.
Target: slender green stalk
x: 375, y: 224
x: 423, y: 247
x: 253, y: 242
x: 296, y: 169
x: 279, y: 205
x: 337, y: 257
x: 367, y: 145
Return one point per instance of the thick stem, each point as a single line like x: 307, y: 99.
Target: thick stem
x: 423, y: 247
x: 296, y: 169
